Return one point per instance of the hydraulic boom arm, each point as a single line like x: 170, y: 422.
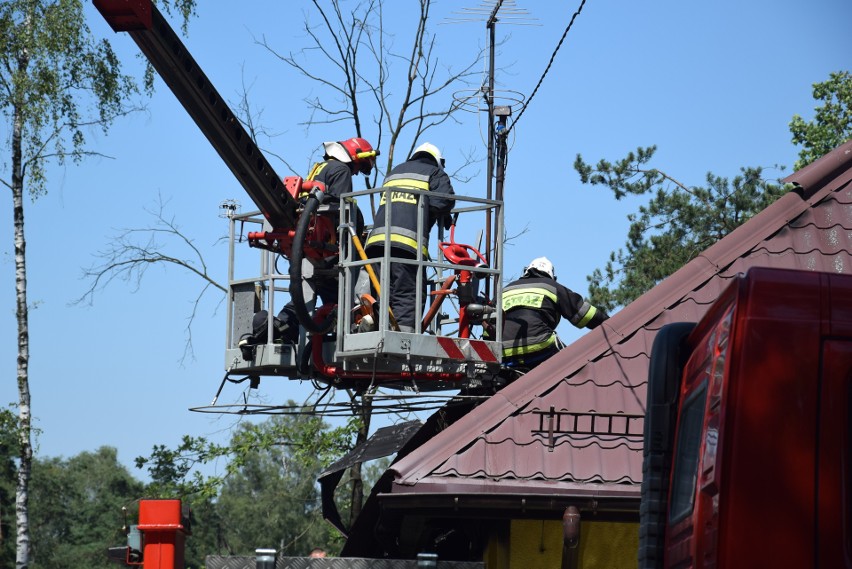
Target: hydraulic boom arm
x: 171, y: 59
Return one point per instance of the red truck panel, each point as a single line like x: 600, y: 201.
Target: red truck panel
x: 774, y: 432
x: 834, y: 503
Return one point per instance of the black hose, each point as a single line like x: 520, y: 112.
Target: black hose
x: 297, y: 294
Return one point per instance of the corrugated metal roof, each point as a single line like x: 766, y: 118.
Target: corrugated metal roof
x: 503, y: 447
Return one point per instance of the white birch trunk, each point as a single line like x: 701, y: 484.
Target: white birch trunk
x: 22, y: 539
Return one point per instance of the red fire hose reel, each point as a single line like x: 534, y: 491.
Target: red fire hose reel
x: 321, y: 237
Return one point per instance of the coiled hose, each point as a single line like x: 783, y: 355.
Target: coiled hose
x: 297, y: 294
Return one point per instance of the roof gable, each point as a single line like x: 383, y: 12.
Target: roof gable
x: 503, y: 445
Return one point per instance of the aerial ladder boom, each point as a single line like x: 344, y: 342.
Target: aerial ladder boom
x: 292, y: 226
x: 166, y: 52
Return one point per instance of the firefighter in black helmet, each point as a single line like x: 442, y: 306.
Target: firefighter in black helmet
x: 532, y: 308
x: 424, y: 170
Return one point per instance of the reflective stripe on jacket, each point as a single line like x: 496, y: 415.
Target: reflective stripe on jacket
x: 532, y: 309
x: 417, y: 174
x: 336, y: 176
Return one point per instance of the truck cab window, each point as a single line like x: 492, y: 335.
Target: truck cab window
x: 687, y: 448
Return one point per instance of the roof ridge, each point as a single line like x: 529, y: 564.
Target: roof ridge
x: 819, y: 173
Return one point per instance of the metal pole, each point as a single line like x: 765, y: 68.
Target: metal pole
x: 489, y: 101
x: 502, y: 150
x: 265, y: 558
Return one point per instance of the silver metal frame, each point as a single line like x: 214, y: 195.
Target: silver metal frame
x: 384, y: 351
x: 388, y: 350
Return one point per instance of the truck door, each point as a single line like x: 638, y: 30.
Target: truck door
x: 834, y: 458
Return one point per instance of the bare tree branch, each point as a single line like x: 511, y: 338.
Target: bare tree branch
x: 251, y: 120
x: 336, y: 44
x: 360, y: 90
x: 133, y: 251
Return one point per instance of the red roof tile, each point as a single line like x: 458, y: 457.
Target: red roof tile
x: 503, y: 446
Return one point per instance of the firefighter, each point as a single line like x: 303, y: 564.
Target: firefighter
x: 424, y: 170
x: 532, y: 308
x: 342, y: 161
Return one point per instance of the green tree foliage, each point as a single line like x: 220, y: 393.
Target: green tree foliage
x: 272, y: 500
x: 832, y: 123
x: 676, y: 224
x: 53, y: 70
x: 680, y: 221
x: 56, y: 82
x: 76, y: 509
x: 8, y: 452
x: 206, y: 538
x: 266, y: 496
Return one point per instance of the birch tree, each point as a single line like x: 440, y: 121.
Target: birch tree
x: 57, y: 81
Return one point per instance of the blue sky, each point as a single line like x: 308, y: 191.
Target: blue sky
x: 713, y: 85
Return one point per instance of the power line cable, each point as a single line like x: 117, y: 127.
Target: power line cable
x: 549, y: 64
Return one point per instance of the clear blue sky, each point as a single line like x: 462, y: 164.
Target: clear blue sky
x: 713, y: 84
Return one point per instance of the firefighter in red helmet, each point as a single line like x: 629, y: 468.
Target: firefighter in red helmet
x: 341, y: 161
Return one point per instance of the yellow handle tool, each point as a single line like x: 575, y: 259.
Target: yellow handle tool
x: 372, y: 274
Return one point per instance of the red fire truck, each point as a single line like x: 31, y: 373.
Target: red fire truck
x: 748, y: 435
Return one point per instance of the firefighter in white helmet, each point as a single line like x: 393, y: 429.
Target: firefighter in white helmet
x: 532, y: 308
x: 424, y: 170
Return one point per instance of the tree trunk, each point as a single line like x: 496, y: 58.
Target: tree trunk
x: 357, y: 497
x: 22, y: 556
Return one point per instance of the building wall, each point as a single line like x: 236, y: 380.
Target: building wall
x: 537, y: 544
x: 496, y: 554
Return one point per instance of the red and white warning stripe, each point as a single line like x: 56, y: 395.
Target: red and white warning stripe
x: 466, y: 349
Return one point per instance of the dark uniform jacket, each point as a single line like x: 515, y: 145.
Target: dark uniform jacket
x: 533, y: 307
x: 420, y: 174
x: 337, y: 178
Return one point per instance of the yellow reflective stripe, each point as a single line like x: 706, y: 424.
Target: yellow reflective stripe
x: 407, y: 183
x: 530, y: 297
x: 588, y: 317
x: 530, y: 348
x: 362, y: 155
x: 316, y: 170
x: 402, y: 240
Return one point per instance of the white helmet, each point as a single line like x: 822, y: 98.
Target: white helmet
x: 542, y: 265
x: 337, y: 151
x: 431, y: 150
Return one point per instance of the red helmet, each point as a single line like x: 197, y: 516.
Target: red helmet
x: 361, y: 154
